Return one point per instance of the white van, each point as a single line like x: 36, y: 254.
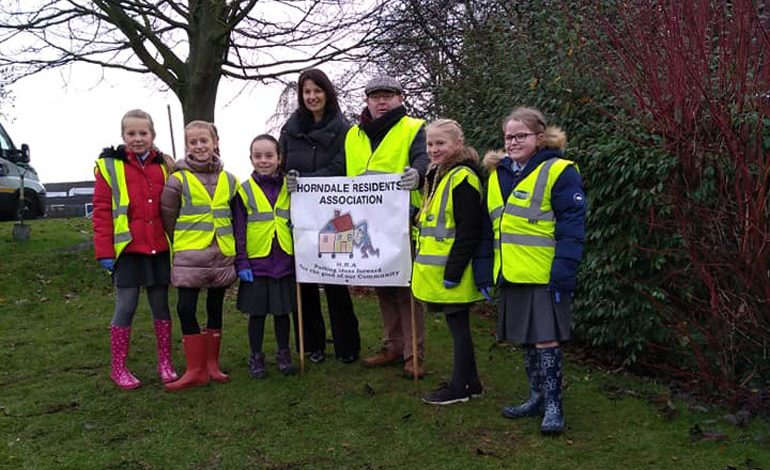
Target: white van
x: 14, y: 163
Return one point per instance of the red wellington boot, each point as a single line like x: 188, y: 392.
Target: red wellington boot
x: 213, y: 340
x: 195, y: 353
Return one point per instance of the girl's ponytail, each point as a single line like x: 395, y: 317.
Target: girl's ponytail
x: 470, y: 153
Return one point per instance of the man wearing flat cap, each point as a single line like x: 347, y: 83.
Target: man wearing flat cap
x: 388, y: 141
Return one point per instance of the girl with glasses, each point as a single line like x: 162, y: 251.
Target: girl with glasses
x: 536, y: 202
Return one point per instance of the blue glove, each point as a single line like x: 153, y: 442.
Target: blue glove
x: 559, y: 293
x: 487, y: 293
x: 107, y: 263
x: 246, y: 275
x: 450, y: 284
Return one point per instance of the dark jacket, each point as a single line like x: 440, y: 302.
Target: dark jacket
x: 145, y: 184
x: 277, y: 263
x: 196, y: 268
x: 568, y: 203
x: 314, y: 149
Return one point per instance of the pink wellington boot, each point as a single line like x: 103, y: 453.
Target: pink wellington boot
x: 120, y: 337
x: 163, y: 343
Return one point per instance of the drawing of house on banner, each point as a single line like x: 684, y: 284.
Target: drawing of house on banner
x: 337, y: 236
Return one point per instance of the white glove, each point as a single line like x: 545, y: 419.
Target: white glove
x: 291, y: 181
x: 410, y: 179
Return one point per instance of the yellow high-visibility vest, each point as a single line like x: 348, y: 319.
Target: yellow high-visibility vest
x: 390, y: 156
x: 201, y: 217
x: 264, y: 221
x: 524, y: 225
x: 113, y: 171
x: 437, y: 235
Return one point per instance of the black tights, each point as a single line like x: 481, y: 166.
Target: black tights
x: 464, y: 371
x: 257, y: 332
x: 187, y: 305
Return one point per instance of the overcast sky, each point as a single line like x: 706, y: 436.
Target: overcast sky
x: 67, y: 116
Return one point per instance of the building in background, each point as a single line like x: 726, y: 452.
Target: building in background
x: 70, y: 199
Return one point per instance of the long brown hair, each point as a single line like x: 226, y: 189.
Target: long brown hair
x: 323, y: 82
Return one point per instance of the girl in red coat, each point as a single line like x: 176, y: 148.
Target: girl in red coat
x: 129, y: 241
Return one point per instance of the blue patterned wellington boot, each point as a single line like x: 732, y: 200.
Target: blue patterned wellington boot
x: 534, y: 404
x: 551, y: 367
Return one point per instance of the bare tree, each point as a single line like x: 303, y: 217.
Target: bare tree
x: 436, y: 46
x: 188, y: 45
x: 6, y: 97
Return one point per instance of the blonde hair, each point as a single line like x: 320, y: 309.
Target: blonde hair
x: 199, y: 124
x: 553, y: 137
x: 137, y: 114
x: 454, y: 129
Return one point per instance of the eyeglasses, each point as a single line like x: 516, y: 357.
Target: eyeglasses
x: 519, y: 138
x: 381, y: 95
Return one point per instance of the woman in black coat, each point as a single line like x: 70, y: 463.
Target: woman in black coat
x: 312, y: 143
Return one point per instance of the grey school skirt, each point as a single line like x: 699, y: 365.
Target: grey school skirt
x: 267, y: 296
x: 527, y: 314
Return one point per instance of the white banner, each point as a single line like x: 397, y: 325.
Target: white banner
x: 352, y: 231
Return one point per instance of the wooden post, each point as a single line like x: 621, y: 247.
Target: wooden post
x: 301, y: 327
x: 415, y: 362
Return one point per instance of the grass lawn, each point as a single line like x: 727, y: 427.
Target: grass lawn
x: 59, y: 408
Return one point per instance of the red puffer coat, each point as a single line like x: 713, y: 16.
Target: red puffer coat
x: 145, y: 185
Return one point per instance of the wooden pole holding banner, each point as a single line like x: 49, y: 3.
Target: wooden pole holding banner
x: 415, y: 362
x: 301, y: 327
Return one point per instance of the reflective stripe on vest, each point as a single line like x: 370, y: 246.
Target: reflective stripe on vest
x: 113, y: 171
x: 524, y: 226
x: 436, y: 237
x: 390, y: 156
x: 201, y: 217
x: 264, y: 221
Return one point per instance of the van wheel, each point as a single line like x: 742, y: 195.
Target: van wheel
x: 31, y: 209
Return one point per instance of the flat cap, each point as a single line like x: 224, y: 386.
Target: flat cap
x: 383, y: 83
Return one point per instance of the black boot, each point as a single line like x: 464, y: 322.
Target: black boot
x: 534, y: 404
x: 551, y: 367
x: 257, y: 367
